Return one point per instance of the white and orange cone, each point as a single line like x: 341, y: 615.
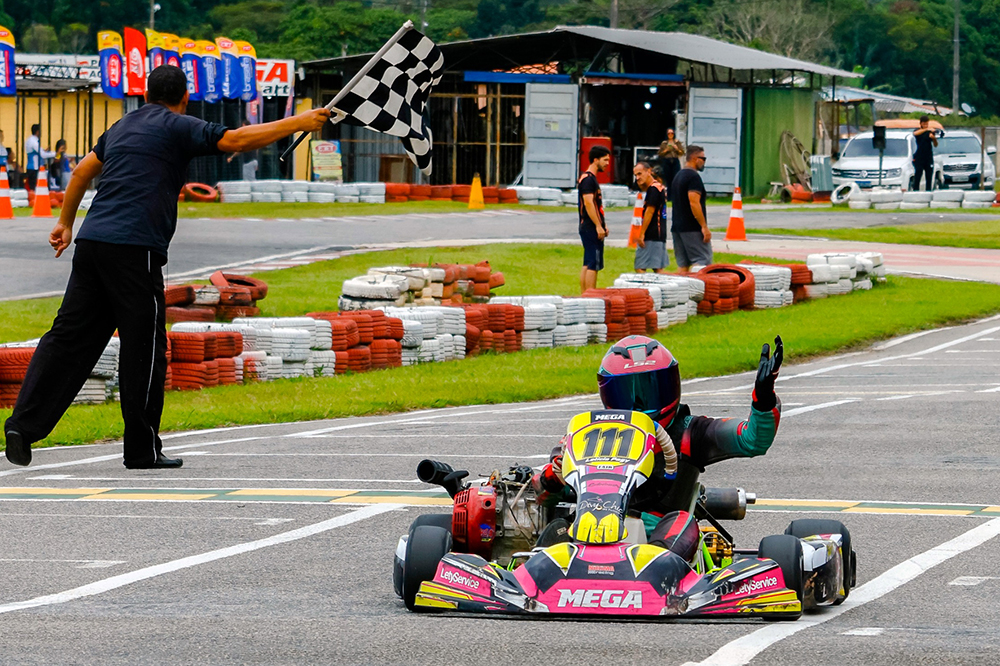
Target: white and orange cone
x: 6, y: 210
x: 736, y: 231
x: 43, y: 206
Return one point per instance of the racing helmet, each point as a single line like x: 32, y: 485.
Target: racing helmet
x: 640, y: 374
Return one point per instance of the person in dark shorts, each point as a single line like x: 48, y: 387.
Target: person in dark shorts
x: 117, y: 277
x: 923, y: 157
x: 692, y: 239
x: 651, y: 250
x: 593, y: 229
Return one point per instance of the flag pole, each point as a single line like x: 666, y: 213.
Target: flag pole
x: 354, y: 81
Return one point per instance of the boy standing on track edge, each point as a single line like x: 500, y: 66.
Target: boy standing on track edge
x: 117, y: 278
x: 593, y: 229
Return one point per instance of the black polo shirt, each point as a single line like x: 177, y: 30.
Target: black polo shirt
x: 145, y: 156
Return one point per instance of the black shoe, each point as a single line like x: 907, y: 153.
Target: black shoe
x: 161, y: 462
x: 18, y: 451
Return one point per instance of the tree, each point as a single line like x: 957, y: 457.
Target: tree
x: 789, y: 27
x: 39, y: 38
x: 74, y: 38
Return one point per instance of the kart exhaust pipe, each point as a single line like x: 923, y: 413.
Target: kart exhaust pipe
x: 728, y: 503
x: 441, y: 474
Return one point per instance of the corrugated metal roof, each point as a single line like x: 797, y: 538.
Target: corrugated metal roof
x: 703, y: 49
x: 565, y: 41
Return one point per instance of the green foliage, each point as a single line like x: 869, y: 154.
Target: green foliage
x: 40, y: 38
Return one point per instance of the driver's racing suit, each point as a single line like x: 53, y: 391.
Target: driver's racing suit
x: 700, y: 440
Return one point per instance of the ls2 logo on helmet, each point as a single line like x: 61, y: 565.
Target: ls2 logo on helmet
x: 638, y: 364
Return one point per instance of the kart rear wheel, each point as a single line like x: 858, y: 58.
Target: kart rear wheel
x: 786, y: 551
x: 442, y: 520
x: 805, y: 527
x: 424, y: 549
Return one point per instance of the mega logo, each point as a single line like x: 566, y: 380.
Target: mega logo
x: 600, y: 599
x: 609, y: 417
x: 457, y: 578
x: 751, y: 586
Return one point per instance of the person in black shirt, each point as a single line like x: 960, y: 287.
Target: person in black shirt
x: 923, y: 157
x: 651, y: 250
x: 116, y: 281
x: 691, y: 236
x: 593, y: 229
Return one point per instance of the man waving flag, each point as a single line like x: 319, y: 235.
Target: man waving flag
x: 390, y: 92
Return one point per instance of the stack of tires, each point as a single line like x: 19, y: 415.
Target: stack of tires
x: 732, y: 296
x: 347, y: 193
x: 265, y: 191
x: 886, y: 199
x: 323, y: 193
x: 916, y: 200
x: 947, y: 198
x: 204, y: 359
x: 14, y: 362
x: 772, y: 285
x: 294, y: 191
x: 102, y: 384
x: 978, y: 199
x: 235, y: 191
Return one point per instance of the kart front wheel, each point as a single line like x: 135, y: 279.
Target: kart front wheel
x: 786, y: 551
x: 806, y: 527
x: 425, y: 547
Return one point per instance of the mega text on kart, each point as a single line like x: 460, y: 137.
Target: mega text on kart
x: 499, y: 552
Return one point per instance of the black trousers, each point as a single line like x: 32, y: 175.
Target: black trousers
x: 111, y: 287
x: 925, y: 169
x: 31, y: 176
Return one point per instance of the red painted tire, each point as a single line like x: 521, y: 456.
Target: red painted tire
x: 199, y: 192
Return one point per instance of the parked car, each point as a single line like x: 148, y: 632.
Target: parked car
x: 859, y: 162
x: 958, y: 156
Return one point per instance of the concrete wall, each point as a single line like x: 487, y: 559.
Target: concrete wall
x: 767, y: 113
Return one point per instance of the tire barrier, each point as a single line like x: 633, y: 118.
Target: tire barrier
x: 228, y: 297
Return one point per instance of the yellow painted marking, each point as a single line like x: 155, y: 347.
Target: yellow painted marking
x: 397, y: 499
x: 990, y: 509
x: 53, y: 491
x: 926, y: 512
x: 292, y: 492
x: 833, y: 504
x: 431, y: 602
x: 150, y: 496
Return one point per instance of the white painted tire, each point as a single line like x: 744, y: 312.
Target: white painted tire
x: 912, y: 205
x: 939, y: 196
x: 859, y: 205
x: 946, y: 204
x: 889, y: 205
x: 886, y: 196
x: 978, y: 196
x: 387, y: 287
x: 977, y: 204
x: 917, y: 197
x: 844, y: 193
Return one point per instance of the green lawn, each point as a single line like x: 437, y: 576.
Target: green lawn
x: 984, y: 234
x: 705, y: 345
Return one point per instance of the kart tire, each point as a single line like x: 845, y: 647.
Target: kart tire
x: 786, y: 551
x: 805, y: 527
x: 442, y: 520
x: 424, y: 549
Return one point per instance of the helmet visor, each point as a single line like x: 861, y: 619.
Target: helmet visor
x: 648, y: 392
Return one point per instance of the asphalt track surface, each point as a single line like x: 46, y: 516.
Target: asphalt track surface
x: 273, y: 544
x: 27, y: 267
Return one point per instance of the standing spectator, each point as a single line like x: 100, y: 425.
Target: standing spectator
x: 3, y: 151
x: 62, y: 165
x: 593, y: 229
x: 651, y: 253
x: 117, y: 276
x: 34, y: 155
x: 670, y: 155
x: 692, y: 239
x: 923, y: 158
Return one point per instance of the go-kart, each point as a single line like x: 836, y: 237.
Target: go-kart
x: 499, y: 551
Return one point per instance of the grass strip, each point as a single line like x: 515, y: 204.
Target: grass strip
x: 984, y: 234
x: 705, y: 346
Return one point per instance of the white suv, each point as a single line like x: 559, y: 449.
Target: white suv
x: 958, y: 156
x: 859, y: 162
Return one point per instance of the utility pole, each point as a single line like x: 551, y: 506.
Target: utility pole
x: 152, y: 14
x: 955, y: 64
x: 613, y: 19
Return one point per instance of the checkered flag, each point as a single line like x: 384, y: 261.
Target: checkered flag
x: 391, y: 96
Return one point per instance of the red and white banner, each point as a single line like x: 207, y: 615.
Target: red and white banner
x: 135, y: 62
x: 275, y: 78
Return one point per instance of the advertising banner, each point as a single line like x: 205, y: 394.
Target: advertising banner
x: 327, y: 161
x: 109, y: 49
x: 232, y: 75
x: 248, y: 71
x: 211, y: 85
x: 7, y: 84
x: 154, y: 49
x: 135, y: 59
x: 193, y: 70
x: 171, y: 49
x: 275, y: 77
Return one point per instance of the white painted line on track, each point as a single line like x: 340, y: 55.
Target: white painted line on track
x: 972, y: 580
x: 995, y: 389
x: 906, y: 338
x: 742, y: 650
x: 82, y: 564
x: 125, y: 516
x: 864, y: 631
x: 115, y: 582
x: 813, y: 408
x: 117, y: 456
x: 918, y: 395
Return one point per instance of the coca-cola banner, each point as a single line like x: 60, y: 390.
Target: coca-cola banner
x: 135, y: 60
x: 109, y: 48
x: 7, y: 83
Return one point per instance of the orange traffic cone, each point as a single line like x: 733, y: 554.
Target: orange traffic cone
x: 6, y: 211
x: 736, y: 231
x: 43, y: 207
x: 476, y: 195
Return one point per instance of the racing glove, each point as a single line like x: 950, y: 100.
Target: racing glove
x: 764, y: 398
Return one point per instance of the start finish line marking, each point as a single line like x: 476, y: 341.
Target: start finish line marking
x: 433, y: 497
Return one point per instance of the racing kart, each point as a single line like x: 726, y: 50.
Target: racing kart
x: 499, y: 551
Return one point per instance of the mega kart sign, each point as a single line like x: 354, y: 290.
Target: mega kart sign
x: 275, y: 78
